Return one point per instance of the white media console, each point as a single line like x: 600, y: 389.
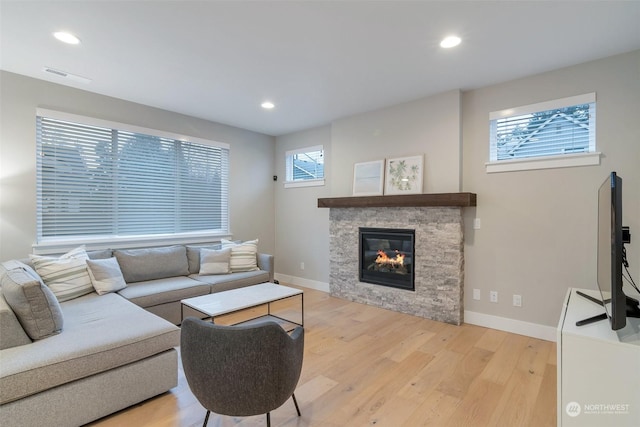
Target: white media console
x: 598, y: 368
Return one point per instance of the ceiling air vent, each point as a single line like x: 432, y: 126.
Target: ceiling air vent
x: 66, y: 75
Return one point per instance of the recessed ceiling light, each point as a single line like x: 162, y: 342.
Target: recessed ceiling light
x: 267, y: 105
x: 65, y: 37
x: 451, y: 41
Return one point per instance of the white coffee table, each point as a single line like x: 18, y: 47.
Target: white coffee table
x: 227, y: 302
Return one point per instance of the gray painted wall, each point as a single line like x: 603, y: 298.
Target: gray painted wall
x: 302, y: 230
x: 537, y: 236
x: 251, y: 170
x: 429, y: 126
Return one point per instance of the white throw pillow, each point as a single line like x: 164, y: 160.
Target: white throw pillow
x: 105, y: 275
x: 215, y: 261
x: 66, y: 276
x: 244, y: 256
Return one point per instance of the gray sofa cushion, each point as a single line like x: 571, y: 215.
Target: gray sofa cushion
x: 100, y: 254
x: 11, y: 332
x: 160, y: 291
x: 33, y: 303
x: 80, y: 402
x: 225, y: 282
x: 139, y: 265
x: 101, y: 333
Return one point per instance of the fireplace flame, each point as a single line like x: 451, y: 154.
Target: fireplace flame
x: 384, y: 259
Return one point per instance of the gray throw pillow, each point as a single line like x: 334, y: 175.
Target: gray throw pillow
x: 33, y: 303
x: 105, y: 275
x: 214, y: 261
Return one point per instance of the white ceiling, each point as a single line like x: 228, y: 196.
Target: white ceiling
x: 316, y: 60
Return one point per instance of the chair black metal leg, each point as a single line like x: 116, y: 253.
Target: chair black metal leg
x: 206, y: 419
x: 295, y: 402
x: 268, y: 419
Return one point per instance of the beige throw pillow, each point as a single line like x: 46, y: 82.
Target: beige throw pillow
x: 215, y: 261
x: 105, y: 275
x: 66, y: 276
x: 244, y: 256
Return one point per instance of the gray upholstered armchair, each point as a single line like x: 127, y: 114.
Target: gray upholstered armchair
x: 241, y: 370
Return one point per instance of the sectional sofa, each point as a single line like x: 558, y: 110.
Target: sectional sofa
x: 68, y: 359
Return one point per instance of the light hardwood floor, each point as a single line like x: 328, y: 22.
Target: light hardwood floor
x: 365, y: 366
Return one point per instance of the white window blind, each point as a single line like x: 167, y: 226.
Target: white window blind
x: 100, y: 182
x: 305, y: 166
x: 562, y: 127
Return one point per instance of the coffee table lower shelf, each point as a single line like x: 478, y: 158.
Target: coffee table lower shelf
x: 287, y: 325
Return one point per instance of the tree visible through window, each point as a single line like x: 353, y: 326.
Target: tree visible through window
x: 102, y: 182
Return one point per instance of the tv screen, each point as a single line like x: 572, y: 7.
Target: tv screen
x: 610, y: 249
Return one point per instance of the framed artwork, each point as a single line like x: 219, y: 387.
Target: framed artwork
x: 404, y: 175
x: 368, y: 178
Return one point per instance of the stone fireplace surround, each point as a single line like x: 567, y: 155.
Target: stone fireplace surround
x: 439, y: 252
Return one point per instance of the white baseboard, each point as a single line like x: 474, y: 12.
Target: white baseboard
x: 299, y: 281
x: 519, y: 327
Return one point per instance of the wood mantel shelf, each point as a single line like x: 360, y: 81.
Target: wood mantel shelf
x: 404, y: 200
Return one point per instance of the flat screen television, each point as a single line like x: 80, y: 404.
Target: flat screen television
x: 610, y: 251
x: 611, y: 257
x: 612, y: 237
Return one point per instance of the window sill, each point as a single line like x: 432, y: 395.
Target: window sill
x: 59, y: 246
x: 308, y: 183
x: 548, y: 162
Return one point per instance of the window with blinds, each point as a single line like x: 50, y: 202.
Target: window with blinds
x: 559, y: 128
x: 100, y: 180
x: 304, y: 167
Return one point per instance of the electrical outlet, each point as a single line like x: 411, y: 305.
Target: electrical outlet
x: 476, y: 294
x: 302, y: 266
x: 476, y: 224
x: 493, y: 296
x: 517, y: 300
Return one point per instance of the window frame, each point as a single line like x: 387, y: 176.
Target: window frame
x: 590, y: 158
x: 57, y: 244
x: 289, y: 181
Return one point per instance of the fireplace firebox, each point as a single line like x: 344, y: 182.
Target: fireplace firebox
x: 387, y: 257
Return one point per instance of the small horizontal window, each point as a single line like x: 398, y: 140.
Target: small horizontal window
x: 304, y: 167
x: 524, y: 136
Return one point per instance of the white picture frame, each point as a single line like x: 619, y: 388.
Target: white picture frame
x: 404, y: 175
x: 368, y: 178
